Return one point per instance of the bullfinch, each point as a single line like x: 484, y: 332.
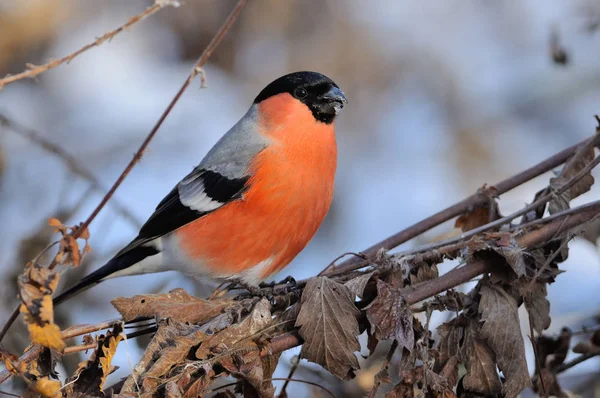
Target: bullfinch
x: 254, y: 201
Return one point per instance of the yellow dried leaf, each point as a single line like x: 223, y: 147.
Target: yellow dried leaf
x: 109, y: 350
x: 36, y: 286
x: 47, y: 387
x: 53, y: 222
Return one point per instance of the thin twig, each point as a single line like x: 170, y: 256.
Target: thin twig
x: 384, y: 368
x: 335, y: 260
x: 80, y: 330
x: 535, y: 353
x: 70, y: 161
x: 216, y: 40
x: 581, y: 358
x: 34, y: 70
x: 79, y: 348
x: 293, y: 368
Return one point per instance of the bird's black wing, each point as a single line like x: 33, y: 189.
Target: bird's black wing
x: 199, y: 193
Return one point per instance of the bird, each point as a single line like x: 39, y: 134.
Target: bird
x: 254, y: 201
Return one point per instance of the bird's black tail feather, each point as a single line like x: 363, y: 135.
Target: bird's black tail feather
x: 118, y: 263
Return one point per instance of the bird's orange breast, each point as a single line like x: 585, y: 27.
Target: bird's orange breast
x: 288, y: 196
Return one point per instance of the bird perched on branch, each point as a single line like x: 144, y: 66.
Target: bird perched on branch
x: 254, y: 201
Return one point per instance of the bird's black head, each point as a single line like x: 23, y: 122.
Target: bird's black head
x: 318, y: 92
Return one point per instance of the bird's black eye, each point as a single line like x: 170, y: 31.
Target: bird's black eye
x: 300, y: 93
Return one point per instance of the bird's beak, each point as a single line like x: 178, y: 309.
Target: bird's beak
x: 333, y: 101
x: 335, y: 94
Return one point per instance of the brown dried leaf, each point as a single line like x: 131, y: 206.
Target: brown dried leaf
x: 451, y: 335
x: 91, y: 375
x: 482, y: 376
x: 390, y: 316
x: 69, y: 252
x: 197, y: 387
x: 583, y: 157
x: 170, y: 346
x: 244, y: 361
x: 553, y: 351
x: 177, y: 305
x: 172, y: 390
x: 478, y: 216
x: 502, y: 331
x: 515, y: 257
x: 328, y: 324
x: 36, y: 286
x: 357, y: 285
x: 251, y: 325
x: 438, y: 385
x: 538, y: 306
x: 450, y: 371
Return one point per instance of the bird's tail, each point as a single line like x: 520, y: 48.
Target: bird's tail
x: 118, y: 263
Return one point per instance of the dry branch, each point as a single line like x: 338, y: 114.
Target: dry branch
x: 34, y: 70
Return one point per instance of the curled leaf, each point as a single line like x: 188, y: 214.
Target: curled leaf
x: 177, y: 305
x: 90, y: 376
x: 502, y: 331
x: 390, y: 316
x: 36, y: 286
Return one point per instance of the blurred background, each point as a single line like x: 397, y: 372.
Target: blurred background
x: 443, y: 97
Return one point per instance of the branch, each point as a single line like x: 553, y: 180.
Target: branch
x: 562, y: 222
x: 33, y: 70
x: 461, y: 207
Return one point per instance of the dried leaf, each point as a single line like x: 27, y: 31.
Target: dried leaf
x: 46, y: 387
x: 328, y: 324
x: 36, y: 286
x: 450, y: 371
x: 478, y: 216
x: 553, y: 352
x: 390, y: 316
x: 172, y: 390
x: 171, y: 344
x: 240, y: 355
x: 177, y: 305
x: 501, y: 330
x: 197, y: 387
x: 90, y: 376
x: 251, y: 325
x: 482, y: 376
x: 538, y: 306
x: 515, y: 257
x: 69, y: 252
x: 581, y: 158
x: 451, y: 335
x: 357, y: 285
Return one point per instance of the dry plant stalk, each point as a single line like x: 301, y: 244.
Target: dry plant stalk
x: 35, y: 70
